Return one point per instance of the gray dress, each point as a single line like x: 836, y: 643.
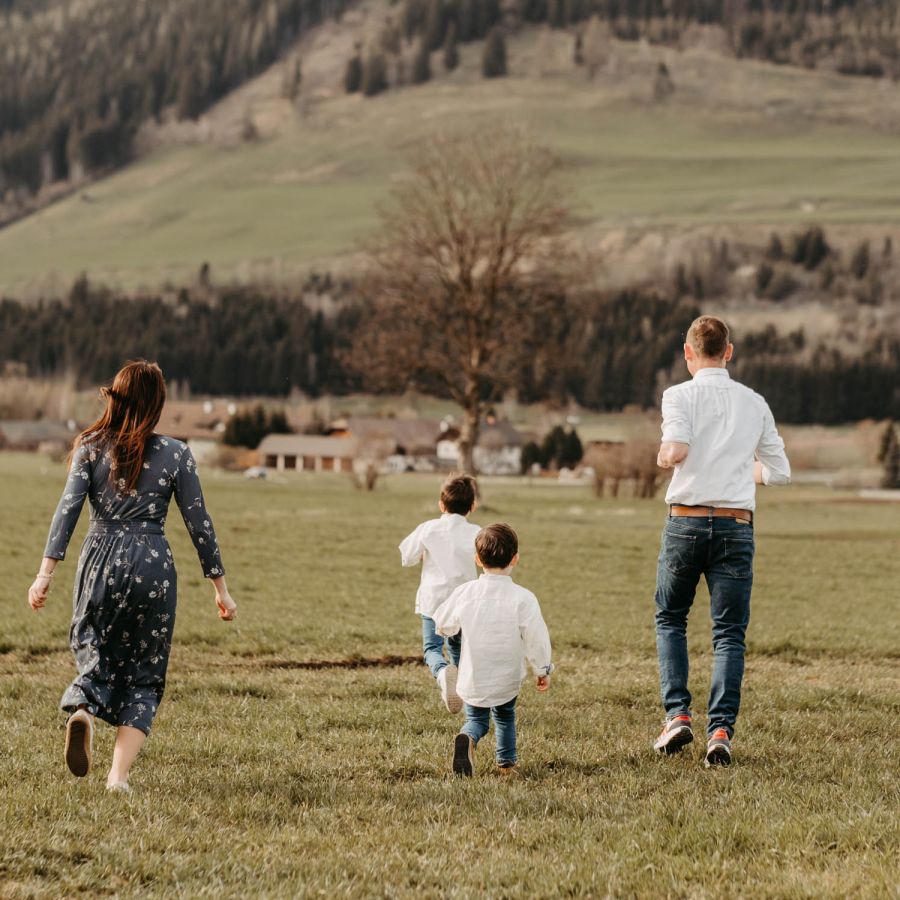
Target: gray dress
x: 125, y: 586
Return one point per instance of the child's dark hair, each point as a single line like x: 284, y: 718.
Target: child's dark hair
x: 496, y: 545
x: 458, y: 494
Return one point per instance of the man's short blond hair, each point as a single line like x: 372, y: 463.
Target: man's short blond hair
x: 709, y: 337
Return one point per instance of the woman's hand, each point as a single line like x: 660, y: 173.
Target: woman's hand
x: 543, y: 683
x: 227, y: 606
x: 39, y: 591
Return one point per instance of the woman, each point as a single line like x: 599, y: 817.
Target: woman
x: 125, y: 586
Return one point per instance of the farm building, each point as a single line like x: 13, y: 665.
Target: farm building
x: 199, y: 423
x: 40, y: 435
x: 402, y: 445
x: 309, y: 452
x: 498, y: 451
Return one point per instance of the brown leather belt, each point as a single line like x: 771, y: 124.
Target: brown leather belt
x: 742, y: 515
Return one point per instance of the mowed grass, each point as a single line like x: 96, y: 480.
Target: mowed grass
x: 264, y: 780
x: 740, y: 142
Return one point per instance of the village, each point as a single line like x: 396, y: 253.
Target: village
x: 231, y: 435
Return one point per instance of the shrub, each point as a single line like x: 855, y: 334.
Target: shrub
x: 781, y: 286
x: 353, y: 75
x: 493, y: 63
x: 374, y: 76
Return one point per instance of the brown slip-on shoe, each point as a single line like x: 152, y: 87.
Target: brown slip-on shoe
x: 79, y: 742
x: 511, y: 772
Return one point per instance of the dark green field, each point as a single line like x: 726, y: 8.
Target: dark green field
x: 265, y: 780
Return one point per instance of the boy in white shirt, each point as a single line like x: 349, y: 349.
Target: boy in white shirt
x: 502, y: 627
x: 446, y: 549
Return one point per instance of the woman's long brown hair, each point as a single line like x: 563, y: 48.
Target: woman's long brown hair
x: 134, y: 404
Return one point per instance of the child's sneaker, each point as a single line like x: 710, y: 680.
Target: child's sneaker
x: 718, y: 749
x: 676, y: 734
x: 463, y: 755
x: 446, y: 678
x: 79, y: 742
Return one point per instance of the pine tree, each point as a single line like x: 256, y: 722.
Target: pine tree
x: 663, y: 86
x: 421, y: 67
x: 859, y: 264
x: 889, y: 457
x: 451, y: 48
x: 571, y: 451
x: 374, y: 76
x: 494, y: 61
x: 435, y: 25
x: 353, y: 74
x: 578, y: 50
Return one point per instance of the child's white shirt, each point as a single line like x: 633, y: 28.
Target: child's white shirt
x: 502, y: 627
x: 446, y: 549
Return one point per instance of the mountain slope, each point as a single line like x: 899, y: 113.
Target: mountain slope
x: 739, y: 142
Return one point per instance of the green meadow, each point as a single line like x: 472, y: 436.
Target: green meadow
x: 740, y: 143
x: 266, y: 778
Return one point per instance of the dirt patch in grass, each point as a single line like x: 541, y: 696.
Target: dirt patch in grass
x: 358, y: 662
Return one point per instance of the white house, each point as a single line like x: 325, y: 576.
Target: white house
x: 497, y: 452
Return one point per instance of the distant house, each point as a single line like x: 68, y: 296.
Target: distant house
x: 497, y: 452
x: 307, y: 452
x: 402, y: 445
x: 200, y: 423
x: 37, y: 435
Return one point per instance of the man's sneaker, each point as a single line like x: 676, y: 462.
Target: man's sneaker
x: 463, y: 755
x: 718, y: 749
x: 447, y: 680
x: 676, y: 735
x: 79, y: 742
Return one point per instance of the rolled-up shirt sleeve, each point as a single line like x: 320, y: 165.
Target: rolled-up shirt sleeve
x: 676, y: 420
x: 536, y: 637
x: 446, y: 617
x: 776, y: 469
x: 78, y: 485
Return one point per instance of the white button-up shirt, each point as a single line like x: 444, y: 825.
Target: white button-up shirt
x: 728, y: 426
x: 446, y: 549
x: 502, y: 627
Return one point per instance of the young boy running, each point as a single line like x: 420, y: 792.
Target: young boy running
x: 502, y: 627
x: 446, y: 549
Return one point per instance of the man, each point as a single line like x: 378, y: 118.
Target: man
x: 720, y: 439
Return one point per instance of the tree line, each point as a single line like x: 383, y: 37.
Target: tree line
x: 854, y: 37
x: 78, y: 80
x: 604, y: 351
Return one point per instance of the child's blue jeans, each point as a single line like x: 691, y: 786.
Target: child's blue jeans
x: 477, y: 723
x: 433, y: 647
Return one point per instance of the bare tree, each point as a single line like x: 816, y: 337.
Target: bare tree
x: 369, y: 460
x: 463, y: 271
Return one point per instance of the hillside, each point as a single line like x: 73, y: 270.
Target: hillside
x: 739, y: 143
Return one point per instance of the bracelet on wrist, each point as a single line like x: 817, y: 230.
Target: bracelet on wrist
x: 44, y: 575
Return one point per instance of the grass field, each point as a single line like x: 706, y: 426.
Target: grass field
x: 265, y: 780
x: 740, y: 142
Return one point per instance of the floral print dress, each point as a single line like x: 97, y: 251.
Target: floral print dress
x: 125, y: 586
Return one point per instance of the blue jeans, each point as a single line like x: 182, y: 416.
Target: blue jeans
x: 478, y: 721
x: 433, y: 647
x: 720, y: 549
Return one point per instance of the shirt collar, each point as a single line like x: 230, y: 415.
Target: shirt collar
x: 712, y: 372
x: 493, y: 575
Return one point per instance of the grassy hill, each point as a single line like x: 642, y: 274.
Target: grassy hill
x: 740, y: 143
